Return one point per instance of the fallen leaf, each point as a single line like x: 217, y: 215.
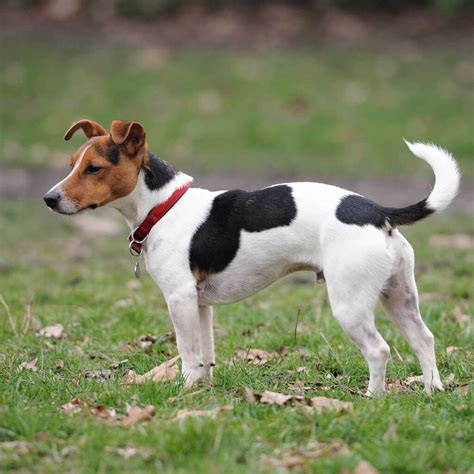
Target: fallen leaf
x: 119, y: 364
x: 318, y: 404
x: 186, y: 413
x: 413, y: 379
x: 135, y: 415
x: 321, y: 404
x: 454, y: 241
x: 59, y: 365
x: 105, y: 414
x: 147, y: 341
x: 293, y: 457
x: 451, y: 349
x: 254, y: 356
x: 460, y: 317
x: 274, y: 398
x: 449, y: 380
x: 73, y: 406
x: 301, y: 370
x: 363, y: 467
x: 54, y: 331
x: 31, y: 365
x: 99, y: 374
x: 462, y: 389
x: 164, y: 372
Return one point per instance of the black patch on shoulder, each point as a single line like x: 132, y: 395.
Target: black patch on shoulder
x: 158, y: 172
x: 358, y: 210
x: 217, y: 240
x: 113, y: 153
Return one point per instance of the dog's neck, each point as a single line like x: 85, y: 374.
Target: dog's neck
x: 155, y: 184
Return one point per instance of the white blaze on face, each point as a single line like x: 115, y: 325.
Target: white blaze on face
x: 66, y: 205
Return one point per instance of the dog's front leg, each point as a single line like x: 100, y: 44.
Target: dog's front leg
x: 184, y: 311
x: 207, y: 339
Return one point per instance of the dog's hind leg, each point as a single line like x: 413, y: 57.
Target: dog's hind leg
x: 355, y: 273
x: 400, y: 300
x: 207, y: 338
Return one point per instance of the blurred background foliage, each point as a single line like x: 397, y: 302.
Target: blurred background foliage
x: 149, y: 8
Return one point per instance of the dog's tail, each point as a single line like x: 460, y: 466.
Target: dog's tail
x: 447, y: 178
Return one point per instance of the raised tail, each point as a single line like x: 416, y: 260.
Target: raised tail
x: 447, y: 178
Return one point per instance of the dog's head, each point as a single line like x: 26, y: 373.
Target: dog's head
x: 104, y: 169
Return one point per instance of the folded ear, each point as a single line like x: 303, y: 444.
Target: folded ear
x: 128, y: 133
x: 90, y: 128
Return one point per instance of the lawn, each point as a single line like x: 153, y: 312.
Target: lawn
x: 327, y: 110
x: 59, y: 274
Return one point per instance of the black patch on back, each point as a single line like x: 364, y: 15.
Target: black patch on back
x: 158, y: 172
x: 358, y: 210
x: 217, y: 240
x: 113, y: 153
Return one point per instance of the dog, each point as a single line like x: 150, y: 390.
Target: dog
x: 204, y: 248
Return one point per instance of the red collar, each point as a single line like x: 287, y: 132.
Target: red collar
x: 140, y: 234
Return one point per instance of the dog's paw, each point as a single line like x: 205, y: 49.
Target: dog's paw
x: 193, y: 375
x: 434, y: 385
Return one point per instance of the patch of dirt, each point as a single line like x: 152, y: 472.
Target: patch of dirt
x: 15, y: 183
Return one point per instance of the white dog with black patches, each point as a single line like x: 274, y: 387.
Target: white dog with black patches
x: 204, y: 248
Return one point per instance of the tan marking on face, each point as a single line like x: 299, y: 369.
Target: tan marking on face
x: 85, y: 189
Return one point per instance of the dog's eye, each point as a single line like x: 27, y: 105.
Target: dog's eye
x: 92, y: 169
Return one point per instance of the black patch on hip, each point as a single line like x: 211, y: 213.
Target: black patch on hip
x: 217, y: 240
x: 157, y: 172
x: 358, y: 210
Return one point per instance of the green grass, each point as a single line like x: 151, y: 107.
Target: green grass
x: 325, y: 110
x: 39, y: 267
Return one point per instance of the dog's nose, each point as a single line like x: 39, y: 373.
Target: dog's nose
x: 52, y: 199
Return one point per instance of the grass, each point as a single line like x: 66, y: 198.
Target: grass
x: 76, y: 280
x: 329, y: 110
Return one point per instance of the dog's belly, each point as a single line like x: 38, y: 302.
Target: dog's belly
x: 230, y: 287
x: 262, y: 259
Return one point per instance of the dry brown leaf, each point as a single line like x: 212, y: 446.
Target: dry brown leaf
x: 135, y: 415
x: 320, y: 404
x: 73, y: 406
x: 254, y: 356
x: 462, y: 389
x: 59, y: 365
x: 147, y: 341
x: 451, y: 349
x: 413, y: 379
x: 163, y: 373
x: 292, y: 457
x: 363, y: 467
x: 186, y: 413
x: 460, y: 317
x: 55, y: 331
x: 274, y: 398
x: 449, y: 379
x: 99, y: 374
x: 31, y: 365
x: 454, y: 241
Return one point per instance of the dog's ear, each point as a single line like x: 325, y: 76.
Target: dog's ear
x: 128, y: 133
x: 89, y: 127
